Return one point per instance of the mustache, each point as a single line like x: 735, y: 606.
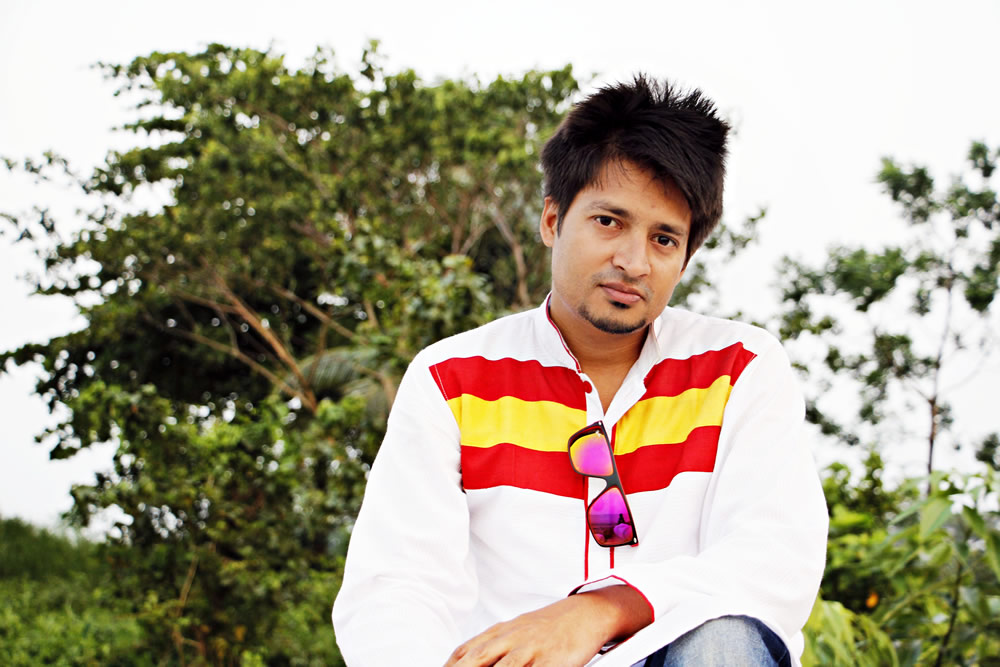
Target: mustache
x: 612, y: 276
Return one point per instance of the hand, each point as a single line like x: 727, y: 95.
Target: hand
x: 568, y: 632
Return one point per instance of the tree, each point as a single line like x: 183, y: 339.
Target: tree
x: 243, y: 341
x: 895, y: 321
x: 911, y: 578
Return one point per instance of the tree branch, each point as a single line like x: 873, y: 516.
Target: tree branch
x: 268, y: 335
x: 936, y: 379
x: 285, y: 127
x: 312, y: 309
x: 518, y: 252
x: 370, y: 312
x: 237, y: 354
x: 388, y: 386
x: 953, y: 616
x: 457, y: 230
x: 186, y: 588
x: 201, y: 301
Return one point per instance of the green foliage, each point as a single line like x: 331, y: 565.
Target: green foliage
x: 837, y: 636
x: 32, y: 553
x: 58, y: 608
x: 860, y: 514
x: 884, y: 323
x: 989, y: 451
x: 305, y: 210
x: 244, y: 340
x: 911, y: 576
x: 922, y: 571
x: 65, y: 622
x: 235, y: 528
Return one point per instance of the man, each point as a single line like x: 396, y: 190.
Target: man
x: 604, y: 468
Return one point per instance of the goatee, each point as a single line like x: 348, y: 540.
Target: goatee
x: 611, y: 326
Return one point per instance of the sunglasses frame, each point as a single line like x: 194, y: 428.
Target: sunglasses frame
x: 612, y: 480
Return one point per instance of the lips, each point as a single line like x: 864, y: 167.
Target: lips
x: 621, y: 293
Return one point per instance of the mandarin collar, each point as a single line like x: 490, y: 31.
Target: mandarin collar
x: 555, y: 345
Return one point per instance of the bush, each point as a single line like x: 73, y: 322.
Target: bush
x: 57, y: 609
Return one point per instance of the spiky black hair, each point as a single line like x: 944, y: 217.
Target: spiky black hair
x: 676, y: 135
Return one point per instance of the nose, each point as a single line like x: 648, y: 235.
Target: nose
x: 631, y: 256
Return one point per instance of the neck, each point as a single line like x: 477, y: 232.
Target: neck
x: 596, y: 350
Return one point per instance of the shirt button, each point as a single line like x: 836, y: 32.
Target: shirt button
x: 587, y: 388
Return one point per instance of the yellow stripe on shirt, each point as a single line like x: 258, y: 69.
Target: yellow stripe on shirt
x: 543, y: 426
x: 669, y: 419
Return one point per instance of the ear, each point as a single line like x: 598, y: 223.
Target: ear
x: 548, y: 226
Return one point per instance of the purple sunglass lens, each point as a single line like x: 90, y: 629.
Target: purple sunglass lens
x: 591, y: 455
x: 609, y: 519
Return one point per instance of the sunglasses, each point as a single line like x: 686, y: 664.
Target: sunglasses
x: 608, y: 516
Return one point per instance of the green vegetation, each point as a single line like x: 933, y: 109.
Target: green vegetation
x: 58, y: 606
x: 913, y: 575
x: 244, y: 342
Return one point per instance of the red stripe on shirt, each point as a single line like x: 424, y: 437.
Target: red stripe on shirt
x: 492, y: 379
x: 654, y: 467
x: 509, y: 465
x: 647, y: 469
x: 672, y: 377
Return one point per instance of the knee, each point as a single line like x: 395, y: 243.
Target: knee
x: 729, y: 640
x: 743, y: 627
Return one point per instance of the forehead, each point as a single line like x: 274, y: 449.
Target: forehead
x: 627, y: 179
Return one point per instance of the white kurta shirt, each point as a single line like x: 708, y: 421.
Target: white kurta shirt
x: 473, y: 514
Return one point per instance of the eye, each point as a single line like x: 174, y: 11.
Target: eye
x: 604, y: 220
x: 664, y: 240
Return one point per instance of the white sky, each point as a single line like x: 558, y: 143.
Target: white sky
x: 819, y: 91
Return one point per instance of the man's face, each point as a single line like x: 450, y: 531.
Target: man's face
x: 620, y: 252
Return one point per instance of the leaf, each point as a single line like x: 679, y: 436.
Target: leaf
x: 939, y: 555
x: 993, y: 553
x: 837, y: 636
x: 933, y: 514
x: 844, y: 519
x: 975, y: 521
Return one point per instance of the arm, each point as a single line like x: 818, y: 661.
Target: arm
x: 763, y: 531
x: 408, y: 577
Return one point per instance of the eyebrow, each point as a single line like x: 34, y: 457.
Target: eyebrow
x: 625, y: 214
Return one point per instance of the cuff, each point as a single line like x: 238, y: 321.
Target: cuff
x: 605, y: 582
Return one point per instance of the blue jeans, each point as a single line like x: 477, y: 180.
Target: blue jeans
x: 734, y: 641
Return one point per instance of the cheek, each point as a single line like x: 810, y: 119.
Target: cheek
x: 671, y: 272
x: 678, y: 267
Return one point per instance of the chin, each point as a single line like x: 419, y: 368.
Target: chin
x: 611, y: 324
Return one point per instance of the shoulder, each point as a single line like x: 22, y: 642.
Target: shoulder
x: 447, y: 367
x: 707, y: 348
x: 510, y: 336
x: 681, y: 333
x: 502, y: 356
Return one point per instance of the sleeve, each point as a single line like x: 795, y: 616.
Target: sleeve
x: 764, y: 525
x: 408, y: 574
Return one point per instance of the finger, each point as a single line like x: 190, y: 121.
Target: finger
x: 455, y: 656
x: 480, y: 653
x: 485, y: 637
x: 462, y: 651
x: 515, y: 659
